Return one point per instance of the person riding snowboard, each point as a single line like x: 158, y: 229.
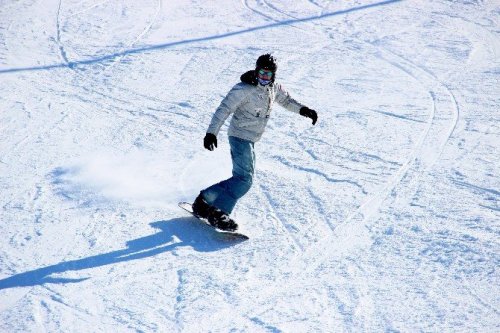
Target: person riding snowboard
x: 250, y: 102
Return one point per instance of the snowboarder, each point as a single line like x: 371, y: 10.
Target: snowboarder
x: 250, y: 102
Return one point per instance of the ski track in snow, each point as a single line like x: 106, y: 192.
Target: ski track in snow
x: 443, y: 117
x: 116, y: 61
x: 342, y: 238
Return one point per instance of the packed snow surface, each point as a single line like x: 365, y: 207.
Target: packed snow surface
x: 384, y: 217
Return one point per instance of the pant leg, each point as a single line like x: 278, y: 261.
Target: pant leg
x: 226, y: 194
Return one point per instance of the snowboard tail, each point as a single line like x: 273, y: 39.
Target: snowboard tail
x: 228, y: 234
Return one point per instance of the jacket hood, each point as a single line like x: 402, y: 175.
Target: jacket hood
x: 249, y: 78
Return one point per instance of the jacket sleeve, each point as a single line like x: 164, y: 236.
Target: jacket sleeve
x: 285, y: 100
x: 234, y: 98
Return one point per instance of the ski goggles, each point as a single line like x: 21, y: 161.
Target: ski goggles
x: 264, y: 73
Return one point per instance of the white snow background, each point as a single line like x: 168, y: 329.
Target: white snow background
x: 384, y: 217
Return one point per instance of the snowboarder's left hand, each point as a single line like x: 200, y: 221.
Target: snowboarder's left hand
x: 309, y: 113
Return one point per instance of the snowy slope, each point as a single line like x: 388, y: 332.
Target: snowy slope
x: 385, y: 216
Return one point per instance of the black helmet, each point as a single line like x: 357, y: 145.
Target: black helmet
x: 267, y: 61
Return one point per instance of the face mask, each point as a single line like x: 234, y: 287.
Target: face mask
x: 263, y: 82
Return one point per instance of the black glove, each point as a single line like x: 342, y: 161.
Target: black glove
x: 309, y: 113
x: 210, y: 141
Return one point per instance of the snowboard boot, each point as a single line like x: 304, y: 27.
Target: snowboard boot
x: 221, y: 220
x: 200, y: 207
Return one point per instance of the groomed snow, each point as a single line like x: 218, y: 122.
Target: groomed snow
x: 384, y: 217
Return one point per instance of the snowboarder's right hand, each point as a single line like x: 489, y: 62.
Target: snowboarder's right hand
x: 210, y: 141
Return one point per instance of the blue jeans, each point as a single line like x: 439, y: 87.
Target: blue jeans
x: 225, y: 194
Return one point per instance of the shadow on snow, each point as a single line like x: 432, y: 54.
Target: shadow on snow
x: 110, y: 57
x: 187, y: 230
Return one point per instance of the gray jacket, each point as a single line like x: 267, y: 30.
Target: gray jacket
x: 251, y: 107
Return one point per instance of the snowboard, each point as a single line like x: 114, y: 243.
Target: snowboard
x: 231, y: 235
